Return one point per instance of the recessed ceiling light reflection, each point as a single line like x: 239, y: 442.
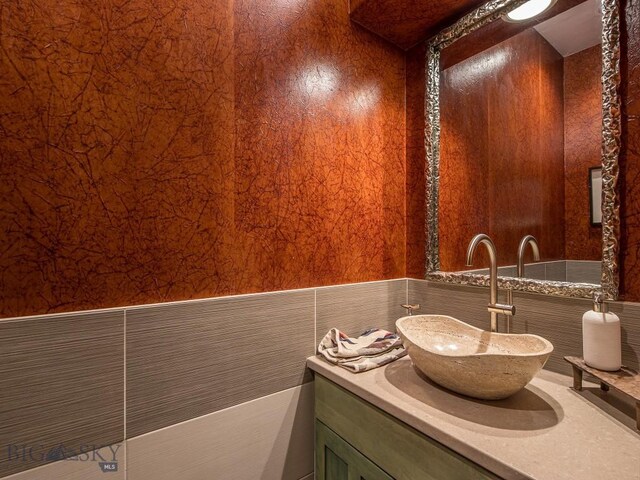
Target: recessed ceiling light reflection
x: 364, y: 99
x: 318, y: 80
x: 471, y: 71
x: 530, y: 9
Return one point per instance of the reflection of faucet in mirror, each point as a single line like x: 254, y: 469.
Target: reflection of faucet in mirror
x: 494, y: 307
x: 527, y: 240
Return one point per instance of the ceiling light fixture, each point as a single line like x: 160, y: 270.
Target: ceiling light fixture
x: 528, y: 10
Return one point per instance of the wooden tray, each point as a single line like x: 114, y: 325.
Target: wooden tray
x: 624, y: 380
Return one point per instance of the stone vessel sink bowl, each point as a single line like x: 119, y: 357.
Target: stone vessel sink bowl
x: 470, y: 361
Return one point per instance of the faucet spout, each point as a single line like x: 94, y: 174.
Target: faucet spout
x: 483, y: 239
x: 494, y: 307
x: 535, y: 249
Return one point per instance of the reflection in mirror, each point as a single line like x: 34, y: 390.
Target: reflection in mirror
x: 521, y: 131
x: 595, y: 194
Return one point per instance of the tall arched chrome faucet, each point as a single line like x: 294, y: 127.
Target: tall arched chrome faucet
x: 527, y: 240
x: 494, y: 307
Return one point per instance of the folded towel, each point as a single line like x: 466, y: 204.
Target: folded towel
x: 372, y: 349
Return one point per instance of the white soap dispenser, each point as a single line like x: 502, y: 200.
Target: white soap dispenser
x: 601, y: 342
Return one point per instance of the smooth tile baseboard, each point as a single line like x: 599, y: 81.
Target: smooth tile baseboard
x: 268, y: 438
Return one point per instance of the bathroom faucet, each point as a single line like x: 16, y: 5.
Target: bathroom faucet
x: 494, y: 307
x: 410, y: 308
x: 527, y: 240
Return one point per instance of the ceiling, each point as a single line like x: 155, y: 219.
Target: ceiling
x: 570, y: 25
x: 575, y: 29
x: 407, y: 22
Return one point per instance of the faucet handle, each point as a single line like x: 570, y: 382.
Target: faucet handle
x: 509, y: 310
x: 410, y: 308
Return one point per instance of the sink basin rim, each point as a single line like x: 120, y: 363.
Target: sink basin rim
x: 464, y: 367
x: 548, y: 346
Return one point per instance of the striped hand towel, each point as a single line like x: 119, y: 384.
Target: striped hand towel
x: 373, y: 348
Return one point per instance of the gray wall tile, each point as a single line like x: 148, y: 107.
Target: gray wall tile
x: 188, y: 359
x: 560, y: 321
x: 556, y: 271
x: 557, y: 319
x: 584, y: 271
x: 468, y: 304
x: 508, y: 271
x: 535, y: 270
x: 353, y: 308
x: 268, y: 438
x: 479, y: 271
x: 61, y: 384
x: 629, y: 314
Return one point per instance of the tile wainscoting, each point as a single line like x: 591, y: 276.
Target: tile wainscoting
x: 216, y: 385
x: 61, y: 386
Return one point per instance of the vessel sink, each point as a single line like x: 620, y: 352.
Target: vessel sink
x: 470, y: 361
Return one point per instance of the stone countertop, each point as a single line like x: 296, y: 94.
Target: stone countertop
x: 545, y: 432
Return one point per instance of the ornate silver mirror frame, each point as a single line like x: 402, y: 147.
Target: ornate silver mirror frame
x: 487, y: 13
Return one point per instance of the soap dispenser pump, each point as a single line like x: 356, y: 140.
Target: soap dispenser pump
x: 601, y: 338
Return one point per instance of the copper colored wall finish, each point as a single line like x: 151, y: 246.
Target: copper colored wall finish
x: 582, y: 150
x: 416, y: 205
x: 630, y: 154
x: 172, y: 150
x: 501, y: 165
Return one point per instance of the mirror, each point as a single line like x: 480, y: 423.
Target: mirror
x: 523, y: 133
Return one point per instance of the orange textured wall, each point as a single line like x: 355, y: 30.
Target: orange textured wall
x: 582, y: 150
x: 416, y: 205
x: 501, y: 151
x: 156, y: 151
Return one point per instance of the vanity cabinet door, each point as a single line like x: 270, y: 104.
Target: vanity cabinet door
x: 390, y: 444
x: 337, y: 460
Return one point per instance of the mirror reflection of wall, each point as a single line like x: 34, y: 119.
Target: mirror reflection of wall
x: 520, y: 112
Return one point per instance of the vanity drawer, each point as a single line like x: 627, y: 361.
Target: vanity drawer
x: 396, y: 448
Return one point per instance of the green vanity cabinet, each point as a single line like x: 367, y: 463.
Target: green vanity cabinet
x: 337, y: 460
x: 357, y: 441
